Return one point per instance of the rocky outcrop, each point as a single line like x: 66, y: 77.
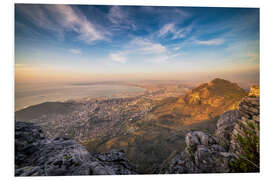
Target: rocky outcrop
x: 225, y: 126
x: 233, y: 148
x: 254, y: 90
x: 35, y: 155
x: 202, y: 154
x: 246, y: 134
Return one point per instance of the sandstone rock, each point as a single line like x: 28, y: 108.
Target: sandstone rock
x: 225, y: 125
x: 197, y: 137
x: 249, y: 105
x: 202, y: 155
x: 254, y: 91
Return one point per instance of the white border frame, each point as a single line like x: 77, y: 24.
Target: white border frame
x: 7, y: 81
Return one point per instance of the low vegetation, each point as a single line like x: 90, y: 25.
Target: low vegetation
x: 249, y: 159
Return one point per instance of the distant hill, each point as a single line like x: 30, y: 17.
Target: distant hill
x: 36, y: 111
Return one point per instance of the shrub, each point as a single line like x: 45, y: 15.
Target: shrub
x: 249, y: 158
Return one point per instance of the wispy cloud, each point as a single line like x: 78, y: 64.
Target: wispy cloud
x: 211, y: 42
x: 176, y: 33
x: 75, y: 51
x: 164, y: 58
x: 145, y: 46
x: 61, y: 18
x: 120, y: 19
x: 118, y: 57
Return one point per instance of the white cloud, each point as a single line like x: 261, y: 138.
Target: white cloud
x: 75, y: 51
x: 170, y: 29
x: 145, y: 49
x: 116, y: 15
x: 210, y: 42
x: 120, y: 18
x: 118, y: 57
x: 145, y: 46
x: 167, y: 28
x: 177, y: 48
x: 165, y: 58
x: 61, y: 18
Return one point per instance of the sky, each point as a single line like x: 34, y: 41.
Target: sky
x: 100, y: 43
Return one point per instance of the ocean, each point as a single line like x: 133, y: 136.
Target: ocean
x: 32, y: 94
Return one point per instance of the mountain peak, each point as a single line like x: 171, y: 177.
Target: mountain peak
x: 216, y: 93
x: 218, y: 80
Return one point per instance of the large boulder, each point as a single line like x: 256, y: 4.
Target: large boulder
x: 225, y: 126
x: 202, y: 154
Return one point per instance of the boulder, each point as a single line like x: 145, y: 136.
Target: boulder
x: 202, y: 154
x: 225, y: 126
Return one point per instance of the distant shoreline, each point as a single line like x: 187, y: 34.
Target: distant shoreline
x: 90, y: 91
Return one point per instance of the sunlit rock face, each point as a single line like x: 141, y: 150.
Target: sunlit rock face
x: 254, y: 90
x: 210, y: 100
x: 215, y: 93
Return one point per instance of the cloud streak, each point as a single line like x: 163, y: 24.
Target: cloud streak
x: 118, y: 57
x: 120, y: 19
x: 75, y: 51
x: 145, y: 46
x: 61, y: 19
x: 171, y: 29
x: 211, y: 42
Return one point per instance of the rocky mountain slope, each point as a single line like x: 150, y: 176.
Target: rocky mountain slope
x: 208, y: 100
x: 233, y: 148
x: 36, y: 155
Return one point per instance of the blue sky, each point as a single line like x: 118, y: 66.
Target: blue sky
x: 135, y: 42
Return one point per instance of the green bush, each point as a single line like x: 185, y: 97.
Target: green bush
x: 249, y: 158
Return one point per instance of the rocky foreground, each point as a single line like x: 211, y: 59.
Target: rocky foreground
x: 36, y: 155
x: 233, y: 148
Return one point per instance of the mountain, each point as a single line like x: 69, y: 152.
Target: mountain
x: 204, y: 102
